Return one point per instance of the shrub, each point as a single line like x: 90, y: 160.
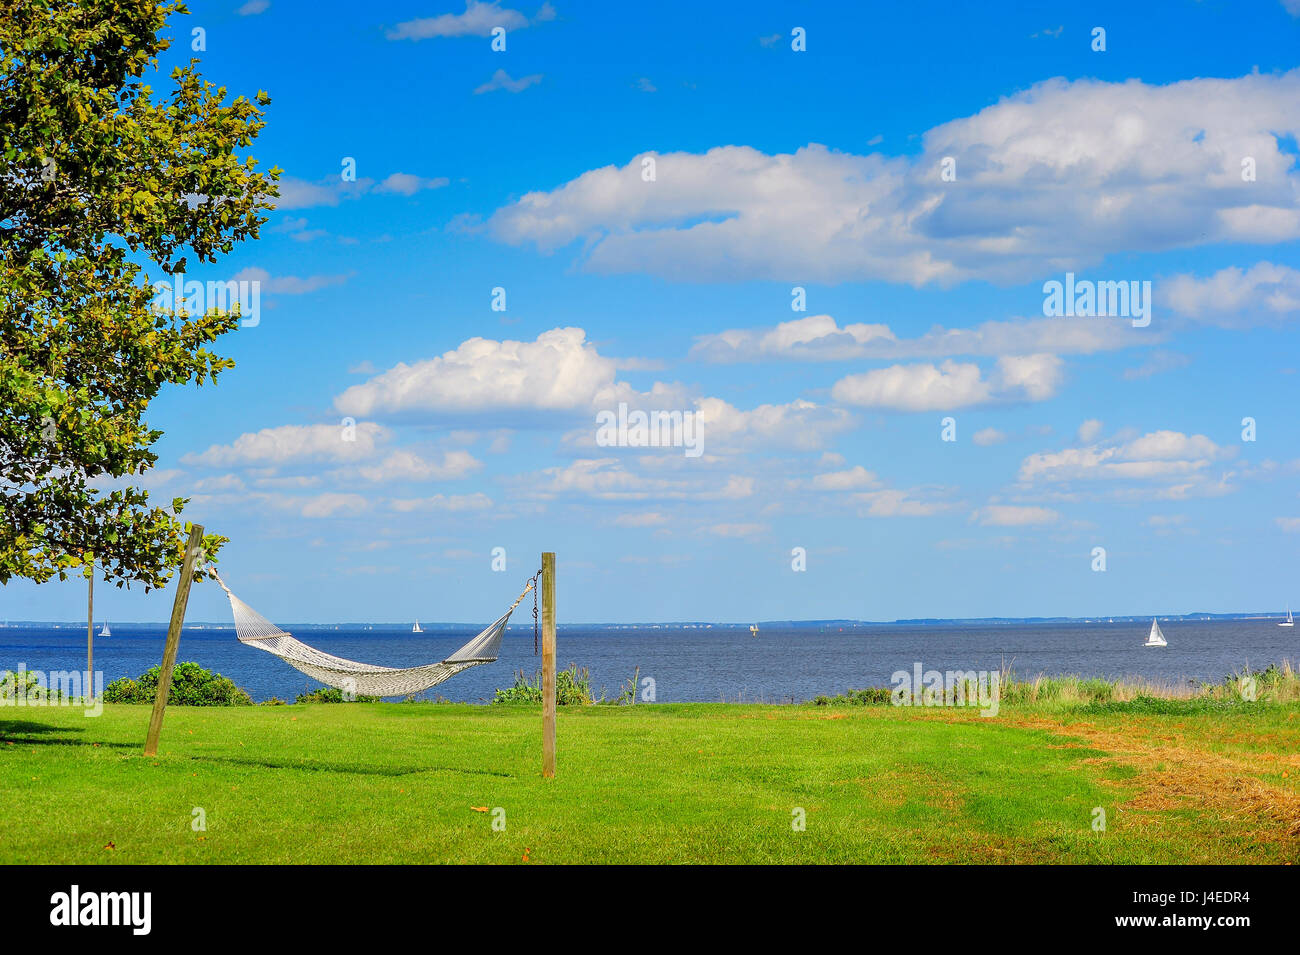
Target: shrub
x: 870, y: 696
x: 572, y: 688
x: 331, y: 694
x: 192, y: 685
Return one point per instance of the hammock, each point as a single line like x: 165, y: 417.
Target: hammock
x: 363, y: 678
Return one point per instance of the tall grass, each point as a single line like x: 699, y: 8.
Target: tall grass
x: 1278, y: 683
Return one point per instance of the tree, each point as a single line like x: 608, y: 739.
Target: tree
x: 101, y: 178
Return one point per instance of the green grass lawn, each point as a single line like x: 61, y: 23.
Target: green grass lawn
x: 665, y: 783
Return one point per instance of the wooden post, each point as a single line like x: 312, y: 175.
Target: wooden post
x: 548, y: 664
x: 89, y: 692
x: 173, y: 639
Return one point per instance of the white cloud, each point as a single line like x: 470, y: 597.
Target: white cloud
x: 1232, y: 297
x: 854, y: 478
x: 1011, y: 515
x: 561, y: 370
x: 1159, y: 362
x: 1290, y: 525
x: 404, y: 465
x: 501, y: 80
x: 253, y: 7
x: 736, y: 530
x: 288, y: 284
x: 303, y: 194
x: 1161, y: 456
x: 292, y: 442
x: 798, y: 424
x: 987, y: 437
x: 405, y: 184
x: 820, y: 338
x: 331, y: 505
x: 647, y: 519
x: 479, y: 19
x: 1059, y: 175
x: 478, y: 501
x: 1089, y: 431
x: 952, y: 385
x: 896, y: 503
x: 612, y: 480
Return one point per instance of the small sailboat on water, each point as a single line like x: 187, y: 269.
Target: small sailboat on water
x: 753, y: 629
x: 417, y: 628
x: 104, y: 631
x: 1289, y: 621
x: 1155, y: 638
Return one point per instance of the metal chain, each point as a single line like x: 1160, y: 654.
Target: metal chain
x: 535, y: 631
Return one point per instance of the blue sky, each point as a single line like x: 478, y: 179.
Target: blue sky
x: 821, y: 429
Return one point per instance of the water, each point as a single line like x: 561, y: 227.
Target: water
x: 722, y: 663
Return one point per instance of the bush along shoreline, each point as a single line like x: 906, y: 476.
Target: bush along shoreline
x: 192, y: 685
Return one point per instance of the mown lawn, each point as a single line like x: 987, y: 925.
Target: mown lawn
x: 662, y: 783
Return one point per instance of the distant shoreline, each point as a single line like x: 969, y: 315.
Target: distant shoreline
x: 705, y: 625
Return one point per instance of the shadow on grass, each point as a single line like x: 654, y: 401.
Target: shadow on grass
x: 29, y: 734
x: 353, y: 768
x: 23, y: 726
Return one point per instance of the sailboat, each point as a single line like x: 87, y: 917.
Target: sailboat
x: 1289, y: 621
x: 416, y: 628
x: 1155, y: 638
x: 753, y: 630
x: 104, y: 631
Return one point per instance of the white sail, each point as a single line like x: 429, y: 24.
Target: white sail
x: 105, y: 632
x: 1289, y: 621
x: 1155, y: 638
x: 416, y: 628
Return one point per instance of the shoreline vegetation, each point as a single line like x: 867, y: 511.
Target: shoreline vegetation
x: 195, y: 686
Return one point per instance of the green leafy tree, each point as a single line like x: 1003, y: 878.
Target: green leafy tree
x: 103, y: 182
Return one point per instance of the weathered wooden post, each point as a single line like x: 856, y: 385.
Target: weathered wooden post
x: 192, y: 550
x: 548, y: 664
x: 89, y: 692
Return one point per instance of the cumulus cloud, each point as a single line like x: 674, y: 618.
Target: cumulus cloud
x: 1056, y: 176
x: 851, y: 479
x: 613, y: 480
x: 293, y: 442
x: 986, y: 437
x: 647, y: 519
x: 1233, y: 297
x: 405, y: 465
x: 1160, y: 456
x: 477, y: 501
x: 479, y: 19
x: 821, y: 338
x: 952, y: 385
x: 288, y: 284
x: 736, y: 530
x: 501, y: 80
x: 1013, y: 515
x: 303, y: 194
x: 332, y: 504
x: 561, y: 370
x: 1089, y: 431
x: 799, y: 424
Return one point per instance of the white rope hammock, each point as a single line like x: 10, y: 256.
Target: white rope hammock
x: 363, y: 679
